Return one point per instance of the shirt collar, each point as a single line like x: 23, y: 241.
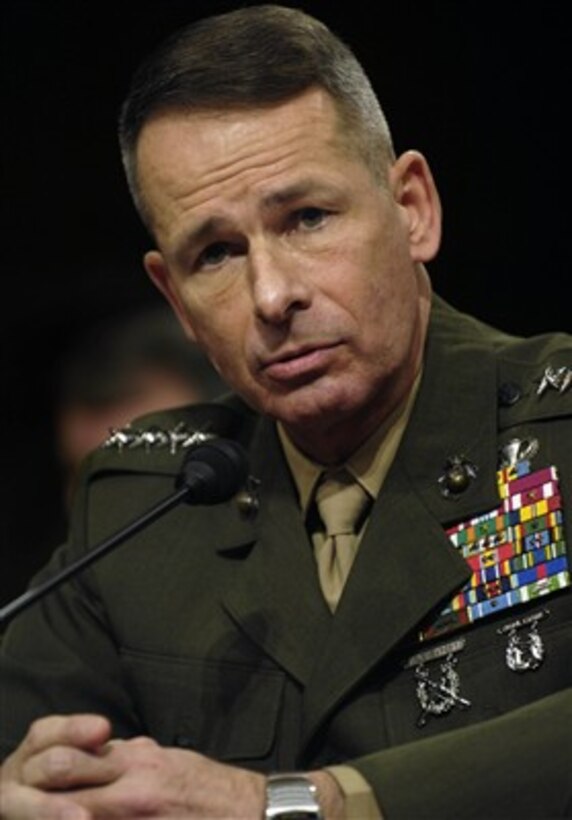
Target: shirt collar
x: 369, y: 464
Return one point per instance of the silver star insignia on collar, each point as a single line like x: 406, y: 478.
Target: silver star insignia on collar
x: 557, y: 378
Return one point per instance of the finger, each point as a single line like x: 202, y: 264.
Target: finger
x: 23, y: 803
x: 81, y: 731
x: 66, y: 767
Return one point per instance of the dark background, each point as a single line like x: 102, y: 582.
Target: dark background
x: 481, y: 88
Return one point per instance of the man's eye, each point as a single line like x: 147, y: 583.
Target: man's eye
x: 311, y: 218
x: 213, y: 255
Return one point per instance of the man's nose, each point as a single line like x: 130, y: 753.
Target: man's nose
x: 279, y: 286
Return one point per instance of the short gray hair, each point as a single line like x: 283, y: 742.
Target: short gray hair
x: 249, y: 58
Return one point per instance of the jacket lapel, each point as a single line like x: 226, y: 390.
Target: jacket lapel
x: 394, y: 583
x: 276, y: 598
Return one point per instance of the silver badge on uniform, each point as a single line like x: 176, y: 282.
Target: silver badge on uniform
x: 154, y: 438
x: 518, y: 450
x: 438, y: 697
x: 556, y: 378
x: 525, y: 650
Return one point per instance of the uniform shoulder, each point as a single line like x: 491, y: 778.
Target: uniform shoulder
x: 534, y: 373
x: 535, y: 377
x: 155, y: 442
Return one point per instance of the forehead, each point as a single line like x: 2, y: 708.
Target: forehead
x: 190, y: 157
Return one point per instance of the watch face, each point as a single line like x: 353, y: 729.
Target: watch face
x: 291, y: 796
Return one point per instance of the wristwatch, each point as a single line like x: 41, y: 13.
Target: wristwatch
x: 291, y: 796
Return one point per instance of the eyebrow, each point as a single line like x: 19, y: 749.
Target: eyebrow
x: 201, y: 234
x: 213, y: 225
x: 291, y: 193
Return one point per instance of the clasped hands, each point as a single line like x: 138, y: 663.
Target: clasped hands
x: 69, y: 768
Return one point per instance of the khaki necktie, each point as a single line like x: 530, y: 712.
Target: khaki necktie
x: 341, y: 503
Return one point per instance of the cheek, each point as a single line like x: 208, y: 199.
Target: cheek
x: 221, y: 335
x: 383, y: 310
x: 362, y: 287
x: 221, y: 318
x: 212, y: 315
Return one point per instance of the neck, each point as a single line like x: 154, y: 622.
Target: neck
x: 334, y: 444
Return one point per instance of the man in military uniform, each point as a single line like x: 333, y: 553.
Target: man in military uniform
x: 252, y: 658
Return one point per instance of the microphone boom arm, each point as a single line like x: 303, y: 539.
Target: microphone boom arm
x: 212, y: 472
x: 35, y: 593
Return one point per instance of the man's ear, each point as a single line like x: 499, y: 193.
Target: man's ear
x: 158, y: 271
x: 415, y: 191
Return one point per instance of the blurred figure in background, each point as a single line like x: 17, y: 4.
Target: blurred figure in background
x: 122, y: 368
x: 110, y: 372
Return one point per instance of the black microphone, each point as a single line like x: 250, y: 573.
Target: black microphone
x: 212, y: 472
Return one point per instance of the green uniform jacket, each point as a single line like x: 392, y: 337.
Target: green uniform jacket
x: 208, y: 630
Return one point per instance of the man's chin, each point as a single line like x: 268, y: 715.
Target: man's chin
x: 307, y: 407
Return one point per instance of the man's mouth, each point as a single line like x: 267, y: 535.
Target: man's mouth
x: 302, y: 362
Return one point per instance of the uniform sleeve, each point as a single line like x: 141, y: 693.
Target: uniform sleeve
x: 58, y: 657
x: 515, y: 767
